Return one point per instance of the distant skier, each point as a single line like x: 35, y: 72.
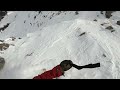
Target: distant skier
x: 59, y: 70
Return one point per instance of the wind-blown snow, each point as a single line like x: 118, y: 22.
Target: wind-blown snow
x: 58, y: 39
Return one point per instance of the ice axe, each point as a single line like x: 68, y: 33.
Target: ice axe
x: 95, y: 65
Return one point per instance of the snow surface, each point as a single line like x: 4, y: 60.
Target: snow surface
x: 46, y: 42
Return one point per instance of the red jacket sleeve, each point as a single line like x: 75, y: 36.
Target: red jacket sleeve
x: 55, y: 72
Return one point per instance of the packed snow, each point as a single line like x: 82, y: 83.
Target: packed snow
x: 39, y: 41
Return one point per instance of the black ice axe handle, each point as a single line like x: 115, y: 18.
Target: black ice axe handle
x: 86, y: 66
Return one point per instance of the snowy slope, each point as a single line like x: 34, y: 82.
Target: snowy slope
x: 23, y: 22
x: 42, y: 46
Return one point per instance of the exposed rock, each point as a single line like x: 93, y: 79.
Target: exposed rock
x: 118, y: 22
x: 4, y: 27
x: 101, y: 12
x: 4, y: 46
x: 112, y: 30
x: 108, y: 14
x: 104, y: 55
x: 109, y: 27
x: 82, y: 33
x: 1, y: 40
x: 104, y: 23
x: 13, y: 38
x: 2, y: 62
x: 76, y: 13
x: 2, y: 14
x: 95, y: 20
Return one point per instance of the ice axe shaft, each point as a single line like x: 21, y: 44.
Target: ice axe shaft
x: 87, y: 66
x: 91, y: 65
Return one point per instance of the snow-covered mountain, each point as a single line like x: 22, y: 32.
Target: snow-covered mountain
x: 32, y: 41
